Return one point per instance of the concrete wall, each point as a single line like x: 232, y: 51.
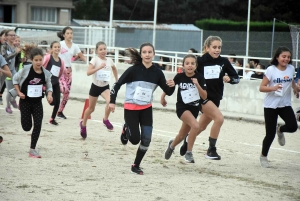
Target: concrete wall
x: 240, y: 98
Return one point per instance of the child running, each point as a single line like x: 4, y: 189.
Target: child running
x: 141, y: 80
x: 191, y: 93
x: 68, y: 50
x: 29, y: 83
x: 56, y: 67
x: 100, y: 68
x: 277, y: 83
x: 216, y: 70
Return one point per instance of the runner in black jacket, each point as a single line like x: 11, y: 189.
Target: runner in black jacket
x: 141, y: 80
x: 216, y: 70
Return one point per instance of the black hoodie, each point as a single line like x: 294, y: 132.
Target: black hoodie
x: 215, y: 86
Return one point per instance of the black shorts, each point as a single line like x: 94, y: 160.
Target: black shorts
x: 181, y: 108
x: 215, y: 101
x: 96, y: 91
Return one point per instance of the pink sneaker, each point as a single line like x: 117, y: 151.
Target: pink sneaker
x: 14, y: 104
x: 82, y: 130
x: 34, y: 154
x: 8, y: 110
x: 108, y: 125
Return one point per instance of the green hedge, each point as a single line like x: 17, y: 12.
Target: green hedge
x: 227, y: 25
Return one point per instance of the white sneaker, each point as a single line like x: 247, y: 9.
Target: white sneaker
x: 281, y: 138
x: 264, y: 162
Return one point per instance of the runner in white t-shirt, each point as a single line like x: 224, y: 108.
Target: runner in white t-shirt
x: 100, y: 68
x: 68, y: 50
x: 277, y: 83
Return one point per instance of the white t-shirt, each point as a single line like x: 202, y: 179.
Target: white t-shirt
x: 248, y: 75
x: 100, y: 75
x: 66, y: 53
x: 285, y: 78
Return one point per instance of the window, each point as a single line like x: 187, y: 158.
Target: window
x: 43, y: 14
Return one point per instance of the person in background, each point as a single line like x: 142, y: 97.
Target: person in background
x: 248, y: 72
x: 258, y: 74
x: 254, y: 62
x: 239, y: 63
x: 277, y: 84
x: 3, y: 39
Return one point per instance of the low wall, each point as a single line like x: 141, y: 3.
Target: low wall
x: 239, y: 98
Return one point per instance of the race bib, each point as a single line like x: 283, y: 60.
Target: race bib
x: 55, y: 70
x: 142, y: 94
x: 190, y: 95
x: 103, y: 75
x: 212, y: 72
x: 34, y: 91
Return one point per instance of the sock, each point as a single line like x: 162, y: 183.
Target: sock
x: 188, y: 152
x: 212, y: 142
x: 139, y: 157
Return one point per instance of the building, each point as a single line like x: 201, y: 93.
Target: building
x: 52, y: 12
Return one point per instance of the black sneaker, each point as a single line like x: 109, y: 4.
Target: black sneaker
x: 212, y: 154
x: 123, y: 136
x: 183, y: 147
x: 61, y: 115
x: 136, y: 169
x: 53, y: 122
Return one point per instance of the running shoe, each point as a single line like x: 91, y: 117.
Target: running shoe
x: 14, y: 104
x: 169, y: 151
x: 123, y: 136
x: 53, y: 122
x: 8, y: 110
x: 212, y: 154
x: 281, y: 138
x: 83, y: 132
x: 183, y: 147
x: 188, y: 157
x: 61, y: 115
x: 34, y: 154
x: 108, y: 125
x: 136, y: 169
x: 264, y: 162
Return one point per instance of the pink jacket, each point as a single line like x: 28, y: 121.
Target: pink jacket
x: 46, y: 61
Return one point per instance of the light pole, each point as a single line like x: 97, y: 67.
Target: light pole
x: 154, y: 23
x: 111, y: 12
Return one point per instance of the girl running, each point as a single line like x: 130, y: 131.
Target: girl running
x: 216, y: 70
x: 55, y: 65
x: 190, y: 96
x: 9, y: 52
x: 277, y: 84
x: 100, y: 67
x: 68, y: 50
x: 141, y: 80
x: 29, y: 83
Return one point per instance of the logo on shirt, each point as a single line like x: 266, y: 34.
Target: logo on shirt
x: 63, y: 50
x: 35, y: 81
x: 284, y: 80
x: 186, y: 86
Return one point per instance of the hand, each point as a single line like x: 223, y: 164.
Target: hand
x: 18, y: 50
x: 170, y: 83
x: 112, y: 107
x: 195, y: 81
x: 226, y: 78
x: 277, y: 87
x: 163, y: 102
x: 21, y: 95
x: 49, y: 98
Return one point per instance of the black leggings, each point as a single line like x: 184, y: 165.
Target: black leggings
x: 3, y: 88
x: 29, y: 111
x: 271, y: 116
x: 56, y: 99
x: 136, y: 118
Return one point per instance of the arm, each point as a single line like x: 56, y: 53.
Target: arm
x: 231, y: 77
x: 46, y: 60
x: 81, y: 56
x: 6, y: 56
x: 115, y: 72
x: 91, y: 69
x: 5, y: 71
x: 16, y: 82
x: 202, y: 92
x: 265, y: 88
x: 167, y: 86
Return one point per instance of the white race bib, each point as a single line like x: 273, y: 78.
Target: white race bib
x: 212, y: 72
x: 55, y: 70
x: 103, y: 75
x: 34, y: 91
x: 142, y: 94
x: 190, y: 95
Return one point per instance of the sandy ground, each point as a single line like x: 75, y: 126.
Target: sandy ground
x: 98, y: 168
